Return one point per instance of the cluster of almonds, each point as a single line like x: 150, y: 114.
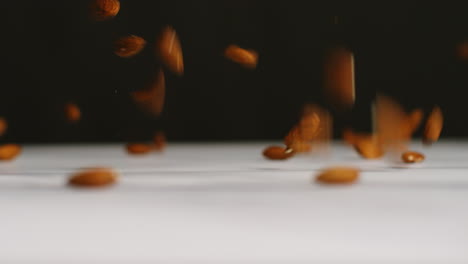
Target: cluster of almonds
x: 393, y: 127
x: 394, y: 130
x: 168, y: 50
x: 151, y: 99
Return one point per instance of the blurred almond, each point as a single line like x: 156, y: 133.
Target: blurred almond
x: 415, y: 118
x: 72, y: 113
x: 170, y: 51
x: 93, y: 177
x: 314, y: 126
x: 366, y: 145
x: 138, y: 148
x: 339, y: 78
x: 9, y: 151
x: 244, y: 57
x: 412, y: 157
x: 349, y: 136
x: 369, y: 148
x: 104, y: 9
x: 159, y: 141
x: 300, y: 146
x: 152, y: 100
x: 3, y: 126
x: 392, y: 124
x: 338, y: 175
x: 433, y: 126
x: 129, y: 46
x: 462, y: 50
x: 277, y: 153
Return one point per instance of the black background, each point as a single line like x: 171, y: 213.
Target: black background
x: 52, y: 53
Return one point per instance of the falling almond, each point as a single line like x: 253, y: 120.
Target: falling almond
x: 244, y: 57
x: 367, y: 146
x: 393, y: 125
x: 462, y: 50
x: 72, y: 113
x: 170, y: 51
x: 159, y: 141
x: 433, y: 126
x: 152, y: 99
x: 104, y: 9
x: 339, y: 78
x: 414, y: 119
x: 308, y: 126
x: 129, y: 46
x: 314, y: 125
x: 3, y: 126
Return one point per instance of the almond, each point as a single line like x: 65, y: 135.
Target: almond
x: 369, y: 148
x: 159, y: 141
x: 338, y: 175
x: 412, y: 157
x: 277, y: 153
x: 9, y: 151
x: 129, y: 46
x: 170, y: 51
x: 104, y: 9
x: 3, y: 126
x: 138, y: 148
x: 152, y: 99
x: 433, y: 126
x: 72, y: 113
x: 462, y: 50
x: 339, y: 78
x: 367, y: 145
x: 93, y: 177
x: 244, y: 57
x: 314, y: 126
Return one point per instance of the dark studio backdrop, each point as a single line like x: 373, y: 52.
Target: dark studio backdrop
x: 52, y: 53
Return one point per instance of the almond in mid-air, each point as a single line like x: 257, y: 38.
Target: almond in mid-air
x: 339, y: 78
x: 129, y: 46
x: 159, y: 141
x: 366, y: 145
x: 245, y: 57
x: 72, y: 113
x: 433, y: 126
x: 152, y: 99
x: 313, y: 127
x: 3, y: 126
x: 93, y: 177
x: 170, y: 51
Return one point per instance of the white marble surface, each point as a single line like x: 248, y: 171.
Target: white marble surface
x: 224, y: 203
